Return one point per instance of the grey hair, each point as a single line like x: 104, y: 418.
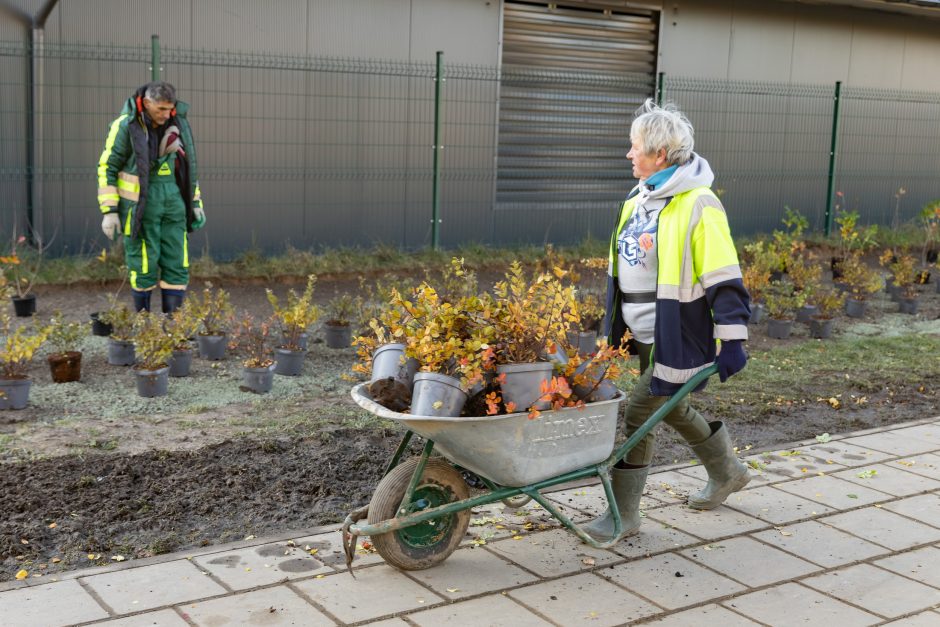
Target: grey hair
x: 664, y: 127
x: 160, y: 91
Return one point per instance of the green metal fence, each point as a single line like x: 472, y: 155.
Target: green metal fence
x: 318, y: 152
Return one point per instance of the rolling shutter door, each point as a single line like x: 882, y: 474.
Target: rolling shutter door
x: 572, y: 76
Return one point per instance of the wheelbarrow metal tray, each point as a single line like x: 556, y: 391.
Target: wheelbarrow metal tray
x: 512, y: 450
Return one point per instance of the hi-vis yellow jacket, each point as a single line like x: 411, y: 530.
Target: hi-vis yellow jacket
x: 124, y: 166
x: 699, y: 294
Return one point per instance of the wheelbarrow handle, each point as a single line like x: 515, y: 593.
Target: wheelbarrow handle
x: 661, y: 413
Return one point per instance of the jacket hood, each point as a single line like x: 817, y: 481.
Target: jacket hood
x: 693, y: 173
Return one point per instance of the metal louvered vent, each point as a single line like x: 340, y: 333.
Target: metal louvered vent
x: 572, y: 75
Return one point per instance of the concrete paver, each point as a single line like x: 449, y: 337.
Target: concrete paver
x: 654, y: 537
x: 745, y: 560
x: 792, y: 604
x: 261, y: 565
x: 927, y: 465
x: 704, y: 615
x: 470, y: 572
x: 493, y: 610
x: 821, y: 544
x: 149, y: 587
x: 883, y: 527
x: 924, y: 508
x: 160, y: 618
x: 271, y: 606
x: 61, y: 603
x: 834, y: 492
x: 671, y: 580
x: 920, y: 564
x: 376, y: 592
x: 878, y: 591
x: 775, y: 506
x: 553, y: 553
x: 894, y: 443
x: 584, y: 600
x: 707, y: 525
x: 816, y: 537
x: 889, y: 479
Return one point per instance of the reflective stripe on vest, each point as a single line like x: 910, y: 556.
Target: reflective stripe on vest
x: 106, y: 191
x: 128, y: 186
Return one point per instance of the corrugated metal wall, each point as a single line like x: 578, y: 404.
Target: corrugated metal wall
x: 573, y: 74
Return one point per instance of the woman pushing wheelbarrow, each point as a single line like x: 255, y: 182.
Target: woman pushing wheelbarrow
x: 673, y: 283
x: 673, y: 280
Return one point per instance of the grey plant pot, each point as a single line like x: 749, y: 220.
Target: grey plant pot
x: 522, y: 384
x: 181, y: 362
x: 437, y: 395
x: 758, y: 313
x: 337, y: 335
x: 805, y: 313
x: 855, y: 308
x: 151, y: 383
x: 387, y: 363
x: 259, y: 380
x: 821, y: 329
x: 121, y: 352
x: 908, y: 305
x: 592, y: 391
x: 212, y: 347
x: 289, y: 363
x: 779, y: 329
x: 15, y: 393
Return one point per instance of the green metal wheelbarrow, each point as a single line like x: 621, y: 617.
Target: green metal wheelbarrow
x: 420, y: 510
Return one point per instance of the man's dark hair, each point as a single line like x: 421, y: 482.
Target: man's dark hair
x: 160, y: 91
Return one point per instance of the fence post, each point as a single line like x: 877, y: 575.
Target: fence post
x: 155, y: 57
x: 659, y: 88
x: 436, y: 185
x: 830, y: 192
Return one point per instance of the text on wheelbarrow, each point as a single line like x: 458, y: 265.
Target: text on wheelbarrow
x: 553, y: 430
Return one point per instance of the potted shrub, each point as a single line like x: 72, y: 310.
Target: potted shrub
x: 16, y: 351
x: 852, y: 239
x: 214, y: 311
x: 806, y: 277
x: 154, y: 346
x: 121, y: 341
x: 20, y: 267
x: 294, y: 319
x: 904, y: 277
x: 828, y: 303
x: 337, y: 329
x: 381, y: 353
x: 861, y: 281
x: 182, y: 325
x: 528, y: 318
x: 65, y: 360
x: 253, y: 341
x: 589, y: 308
x: 930, y: 220
x: 781, y: 300
x: 758, y: 263
x: 447, y: 340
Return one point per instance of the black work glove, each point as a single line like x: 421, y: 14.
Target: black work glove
x: 731, y: 359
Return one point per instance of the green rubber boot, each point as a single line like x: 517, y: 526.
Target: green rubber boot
x: 726, y: 473
x: 628, y: 484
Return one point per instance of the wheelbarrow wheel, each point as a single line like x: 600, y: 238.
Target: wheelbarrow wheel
x: 429, y: 543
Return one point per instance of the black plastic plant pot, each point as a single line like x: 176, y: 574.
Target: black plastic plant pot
x: 99, y: 328
x: 24, y: 307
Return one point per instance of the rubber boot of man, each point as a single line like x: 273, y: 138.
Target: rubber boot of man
x: 726, y: 473
x: 171, y: 299
x: 628, y: 484
x: 141, y: 300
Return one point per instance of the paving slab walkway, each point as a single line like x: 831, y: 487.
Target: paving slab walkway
x: 837, y: 533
